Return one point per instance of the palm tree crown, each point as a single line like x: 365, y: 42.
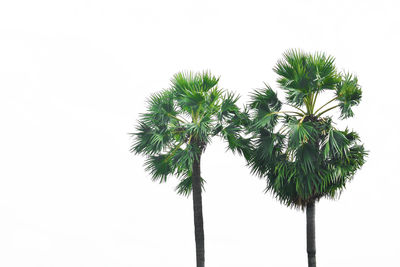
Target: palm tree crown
x: 301, y: 153
x: 179, y: 124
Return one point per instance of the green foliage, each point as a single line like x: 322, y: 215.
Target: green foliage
x: 265, y: 103
x: 185, y: 186
x: 300, y: 153
x: 302, y: 74
x: 180, y: 122
x: 349, y: 93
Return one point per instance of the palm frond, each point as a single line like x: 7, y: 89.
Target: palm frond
x: 300, y: 134
x: 349, y: 94
x: 185, y: 186
x: 159, y: 167
x: 264, y: 106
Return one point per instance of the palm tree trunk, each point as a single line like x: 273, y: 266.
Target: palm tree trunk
x: 310, y: 213
x: 198, y: 213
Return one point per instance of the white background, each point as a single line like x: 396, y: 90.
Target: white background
x: 74, y: 76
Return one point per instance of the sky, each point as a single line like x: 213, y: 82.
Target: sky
x: 74, y: 76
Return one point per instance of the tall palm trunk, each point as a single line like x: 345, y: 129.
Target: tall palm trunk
x: 310, y: 213
x: 198, y: 213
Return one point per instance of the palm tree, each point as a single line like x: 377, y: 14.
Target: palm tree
x: 176, y: 129
x: 303, y: 156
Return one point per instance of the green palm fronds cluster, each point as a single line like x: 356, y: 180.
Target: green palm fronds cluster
x: 301, y: 153
x: 180, y: 122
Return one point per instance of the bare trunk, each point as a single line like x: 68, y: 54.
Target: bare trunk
x: 311, y: 251
x: 198, y: 213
